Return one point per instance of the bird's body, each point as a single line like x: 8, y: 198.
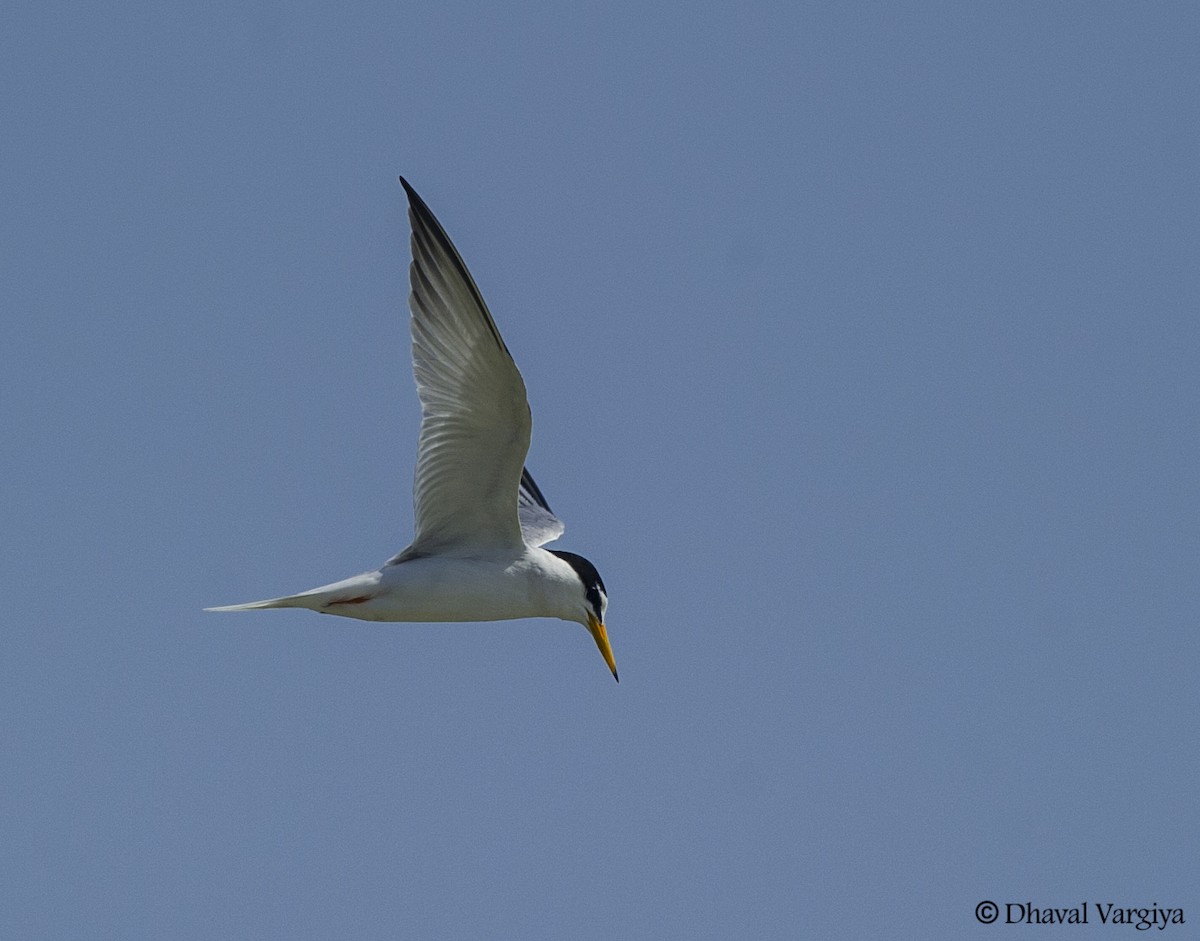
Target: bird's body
x: 532, y: 583
x: 480, y: 519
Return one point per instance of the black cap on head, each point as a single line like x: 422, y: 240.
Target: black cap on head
x: 593, y: 584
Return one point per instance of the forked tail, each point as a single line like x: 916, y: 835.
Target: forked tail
x: 292, y: 601
x: 349, y: 591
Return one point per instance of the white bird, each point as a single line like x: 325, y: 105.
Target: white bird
x: 480, y: 519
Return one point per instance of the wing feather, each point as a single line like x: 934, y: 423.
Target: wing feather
x: 475, y: 421
x: 539, y: 525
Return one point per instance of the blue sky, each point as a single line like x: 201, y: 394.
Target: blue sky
x: 861, y: 342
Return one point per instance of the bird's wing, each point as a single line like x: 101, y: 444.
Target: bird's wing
x: 474, y: 415
x: 539, y: 525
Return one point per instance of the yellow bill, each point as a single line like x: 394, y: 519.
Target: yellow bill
x: 600, y: 635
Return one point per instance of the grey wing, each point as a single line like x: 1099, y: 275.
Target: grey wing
x: 539, y: 525
x: 475, y: 422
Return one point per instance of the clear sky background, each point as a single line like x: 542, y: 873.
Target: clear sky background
x: 862, y: 344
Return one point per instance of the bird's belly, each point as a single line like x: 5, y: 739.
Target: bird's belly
x: 438, y: 589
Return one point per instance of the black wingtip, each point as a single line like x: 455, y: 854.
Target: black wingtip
x: 615, y: 677
x: 534, y: 490
x: 417, y: 205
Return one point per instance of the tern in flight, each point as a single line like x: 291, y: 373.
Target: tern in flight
x: 480, y: 519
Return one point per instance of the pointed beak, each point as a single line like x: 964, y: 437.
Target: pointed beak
x: 600, y: 635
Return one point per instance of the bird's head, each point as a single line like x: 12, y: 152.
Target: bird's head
x: 593, y: 602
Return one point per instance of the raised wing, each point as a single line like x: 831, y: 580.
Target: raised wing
x: 474, y: 415
x: 539, y: 525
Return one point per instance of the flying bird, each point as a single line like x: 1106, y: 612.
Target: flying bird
x: 480, y: 520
